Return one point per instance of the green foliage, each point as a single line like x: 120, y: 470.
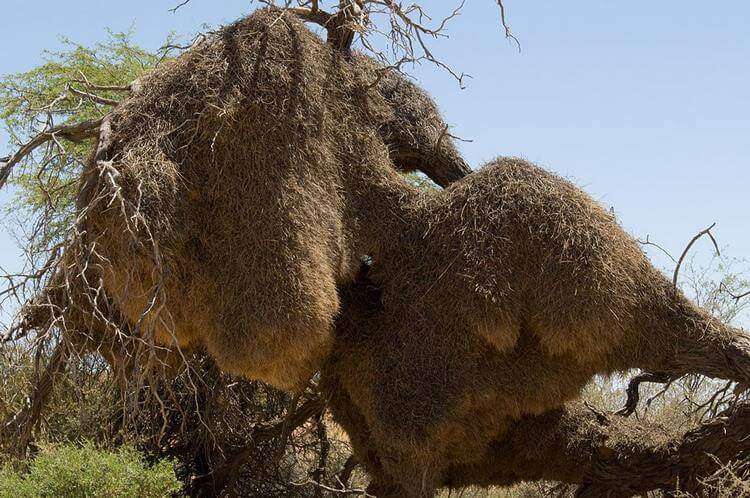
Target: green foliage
x: 421, y: 181
x: 51, y: 94
x: 16, y: 374
x: 84, y: 404
x: 25, y: 97
x: 87, y: 472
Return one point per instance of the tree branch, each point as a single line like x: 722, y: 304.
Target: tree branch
x: 508, y: 33
x: 18, y: 430
x: 734, y: 296
x: 345, y: 475
x: 700, y: 234
x: 222, y: 475
x: 315, y: 15
x: 616, y: 456
x: 686, y: 461
x: 632, y: 391
x: 75, y: 133
x: 93, y: 97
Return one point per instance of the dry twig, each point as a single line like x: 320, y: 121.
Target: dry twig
x: 685, y: 252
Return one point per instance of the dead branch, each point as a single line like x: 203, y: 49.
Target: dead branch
x: 224, y: 475
x: 648, y: 242
x: 405, y: 32
x: 503, y: 21
x: 736, y: 297
x: 711, y: 405
x: 178, y: 6
x: 334, y: 491
x: 167, y: 48
x: 633, y: 390
x: 700, y: 234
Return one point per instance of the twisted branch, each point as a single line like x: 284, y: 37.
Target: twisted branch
x: 633, y: 386
x: 19, y: 428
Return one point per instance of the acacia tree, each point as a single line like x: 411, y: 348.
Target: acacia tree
x: 53, y: 114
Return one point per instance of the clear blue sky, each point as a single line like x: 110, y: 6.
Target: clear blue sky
x: 645, y: 104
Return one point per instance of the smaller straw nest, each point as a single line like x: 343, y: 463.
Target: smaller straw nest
x: 494, y: 300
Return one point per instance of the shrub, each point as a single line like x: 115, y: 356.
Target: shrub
x: 70, y: 471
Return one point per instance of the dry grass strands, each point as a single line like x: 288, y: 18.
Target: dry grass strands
x: 495, y: 300
x: 160, y: 388
x: 221, y: 207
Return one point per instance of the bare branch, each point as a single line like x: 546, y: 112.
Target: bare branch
x: 334, y: 491
x: 223, y: 475
x: 178, y: 6
x: 314, y: 15
x: 736, y: 297
x: 167, y: 48
x: 648, y: 242
x: 406, y: 27
x: 700, y: 234
x: 632, y: 391
x: 93, y: 97
x: 508, y: 33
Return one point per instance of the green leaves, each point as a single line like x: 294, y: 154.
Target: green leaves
x: 87, y: 472
x: 75, y: 84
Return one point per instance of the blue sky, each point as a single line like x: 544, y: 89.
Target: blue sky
x: 644, y: 104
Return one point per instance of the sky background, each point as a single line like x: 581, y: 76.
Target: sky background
x: 646, y: 105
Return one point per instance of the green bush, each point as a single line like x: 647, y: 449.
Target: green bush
x: 87, y: 472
